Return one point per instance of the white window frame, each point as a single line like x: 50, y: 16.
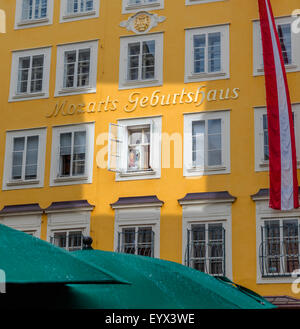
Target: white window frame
x: 8, y: 183
x: 55, y: 180
x: 23, y: 24
x: 224, y: 168
x: 68, y: 220
x: 14, y: 96
x: 70, y: 17
x: 139, y: 215
x: 155, y: 123
x: 258, y: 69
x: 264, y: 213
x: 27, y: 223
x: 158, y: 76
x: 132, y: 8
x: 208, y: 212
x: 260, y: 163
x: 190, y: 75
x: 59, y: 85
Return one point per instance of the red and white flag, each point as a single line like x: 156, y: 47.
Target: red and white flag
x: 282, y: 150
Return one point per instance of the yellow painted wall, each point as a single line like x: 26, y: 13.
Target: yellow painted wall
x: 242, y: 182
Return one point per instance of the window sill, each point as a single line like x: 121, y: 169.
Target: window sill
x: 139, y: 82
x: 137, y: 173
x: 76, y: 15
x: 287, y: 67
x: 266, y: 164
x: 75, y: 90
x: 70, y: 179
x: 205, y: 169
x: 141, y: 6
x: 33, y: 21
x: 28, y: 95
x: 23, y: 182
x: 196, y: 76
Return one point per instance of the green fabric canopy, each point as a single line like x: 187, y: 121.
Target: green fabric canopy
x: 29, y: 260
x: 158, y: 284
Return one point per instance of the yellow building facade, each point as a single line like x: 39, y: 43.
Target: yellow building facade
x: 142, y: 124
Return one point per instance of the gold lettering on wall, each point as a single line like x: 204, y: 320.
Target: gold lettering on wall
x: 137, y: 100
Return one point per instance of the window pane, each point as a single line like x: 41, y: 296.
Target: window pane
x: 27, y: 9
x: 133, y: 61
x: 214, y: 142
x: 65, y: 154
x: 128, y: 240
x: 198, y: 247
x: 69, y: 68
x: 214, y: 52
x: 198, y: 133
x: 215, y: 248
x: 79, y: 153
x: 23, y: 74
x: 75, y: 240
x: 139, y: 149
x: 37, y: 73
x: 266, y: 137
x: 32, y: 157
x: 145, y: 241
x: 291, y: 245
x: 17, y: 162
x: 285, y: 38
x: 60, y: 239
x: 83, y: 68
x: 199, y: 53
x: 272, y: 238
x: 148, y: 60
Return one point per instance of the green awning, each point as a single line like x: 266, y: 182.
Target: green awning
x: 29, y: 260
x: 158, y: 284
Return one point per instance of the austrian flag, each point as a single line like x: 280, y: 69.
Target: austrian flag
x: 282, y: 151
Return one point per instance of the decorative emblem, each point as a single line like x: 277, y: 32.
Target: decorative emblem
x: 142, y: 22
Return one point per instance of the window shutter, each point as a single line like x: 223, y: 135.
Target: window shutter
x: 115, y: 143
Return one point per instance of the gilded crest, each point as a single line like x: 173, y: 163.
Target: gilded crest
x: 142, y: 22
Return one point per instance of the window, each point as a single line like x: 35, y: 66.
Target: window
x: 72, y: 10
x: 137, y: 225
x: 70, y: 240
x: 262, y: 137
x: 72, y: 154
x: 279, y: 252
x: 134, y: 148
x: 206, y: 248
x: 207, y: 53
x: 24, y: 159
x: 289, y: 42
x: 30, y: 13
x: 68, y: 222
x: 206, y: 232
x: 27, y: 220
x: 206, y: 143
x: 74, y: 73
x: 136, y: 5
x: 30, y: 74
x: 137, y: 241
x: 141, y: 61
x: 277, y: 246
